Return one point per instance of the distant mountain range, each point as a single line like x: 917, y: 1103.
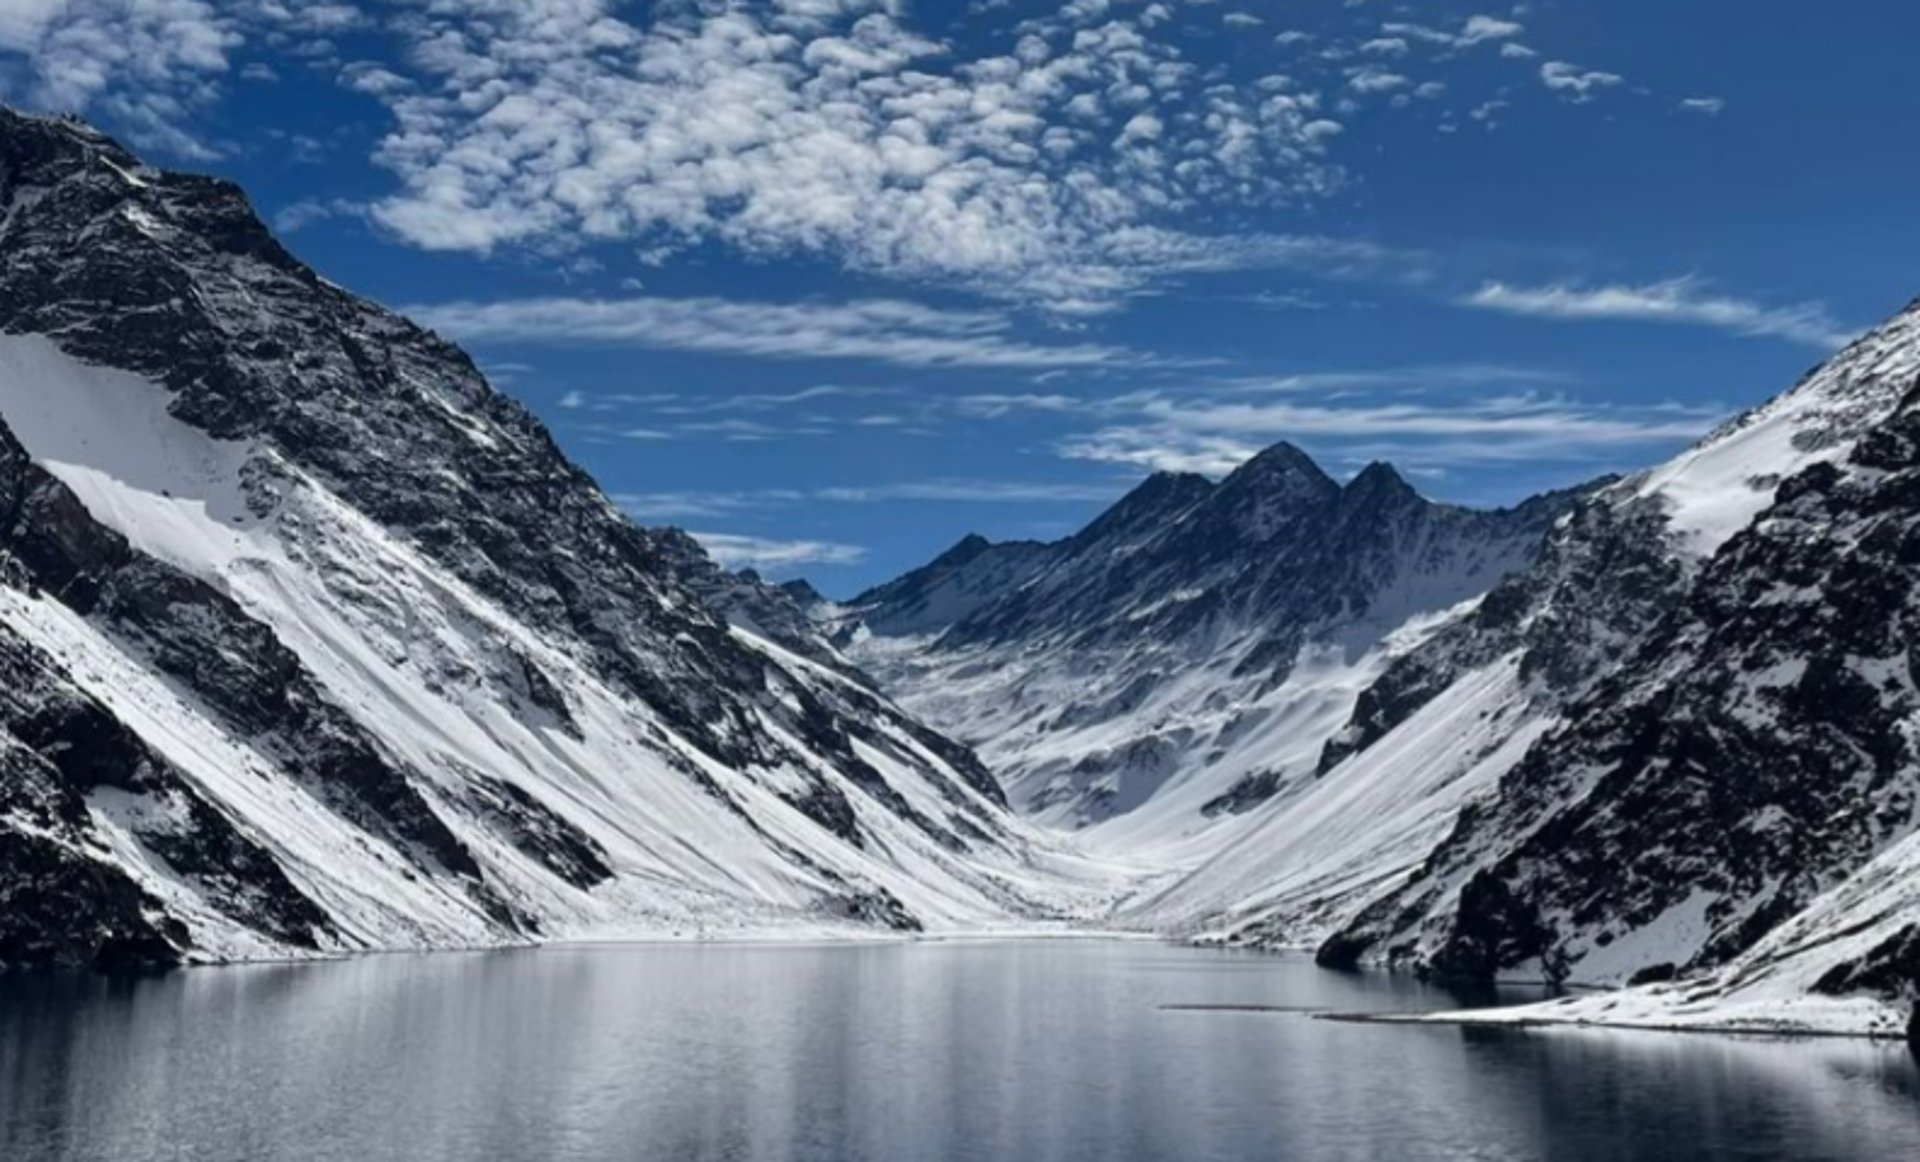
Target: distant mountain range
x: 1184, y: 658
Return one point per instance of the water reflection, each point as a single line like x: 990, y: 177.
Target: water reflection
x: 1052, y: 1050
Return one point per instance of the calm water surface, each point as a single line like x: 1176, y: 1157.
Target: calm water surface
x: 1022, y: 1050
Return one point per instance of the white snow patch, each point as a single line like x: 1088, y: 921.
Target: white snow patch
x: 1320, y: 854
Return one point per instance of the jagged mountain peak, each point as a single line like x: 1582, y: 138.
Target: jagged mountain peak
x: 1275, y: 494
x: 963, y: 550
x: 1379, y: 478
x: 747, y: 601
x: 1077, y: 666
x: 1378, y: 496
x: 1283, y: 467
x: 61, y: 139
x: 941, y: 593
x: 802, y: 591
x: 1156, y: 502
x: 118, y: 201
x: 1167, y: 478
x: 1163, y: 486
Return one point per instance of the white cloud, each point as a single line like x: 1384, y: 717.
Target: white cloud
x: 828, y: 129
x: 1708, y: 106
x: 882, y: 330
x: 971, y: 492
x: 1374, y: 79
x: 297, y: 216
x: 1502, y: 417
x: 23, y: 22
x: 1169, y: 252
x: 734, y: 551
x: 1680, y: 300
x: 1156, y: 450
x: 1393, y: 379
x: 1215, y: 436
x: 683, y: 404
x: 312, y: 16
x: 657, y: 506
x: 147, y: 63
x: 1423, y: 418
x: 1483, y: 28
x: 1477, y: 30
x: 1575, y: 82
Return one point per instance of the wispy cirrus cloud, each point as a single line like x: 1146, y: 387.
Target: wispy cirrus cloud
x: 1687, y: 301
x: 658, y: 507
x: 802, y: 408
x: 1417, y: 378
x: 1215, y: 436
x: 735, y: 551
x: 880, y: 330
x: 1423, y: 417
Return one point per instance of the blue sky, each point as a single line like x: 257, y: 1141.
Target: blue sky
x: 834, y: 282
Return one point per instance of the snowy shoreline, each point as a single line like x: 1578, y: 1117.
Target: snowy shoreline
x: 1858, y: 1018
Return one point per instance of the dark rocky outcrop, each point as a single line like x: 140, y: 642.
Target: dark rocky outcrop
x: 1735, y: 738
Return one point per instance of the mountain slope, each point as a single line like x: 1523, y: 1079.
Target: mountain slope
x: 1159, y: 675
x: 1750, y: 753
x: 1703, y: 761
x: 370, y: 634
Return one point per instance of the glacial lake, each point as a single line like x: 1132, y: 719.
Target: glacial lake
x: 1042, y: 1049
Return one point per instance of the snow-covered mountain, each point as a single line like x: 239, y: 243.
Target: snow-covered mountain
x: 1182, y: 660
x: 315, y: 641
x: 1682, y: 746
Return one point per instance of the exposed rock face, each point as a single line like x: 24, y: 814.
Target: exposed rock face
x: 1604, y: 579
x: 950, y: 588
x: 68, y: 902
x: 1752, y: 751
x: 361, y: 660
x: 1714, y: 656
x: 1179, y: 661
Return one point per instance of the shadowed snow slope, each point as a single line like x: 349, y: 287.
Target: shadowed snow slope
x: 317, y: 642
